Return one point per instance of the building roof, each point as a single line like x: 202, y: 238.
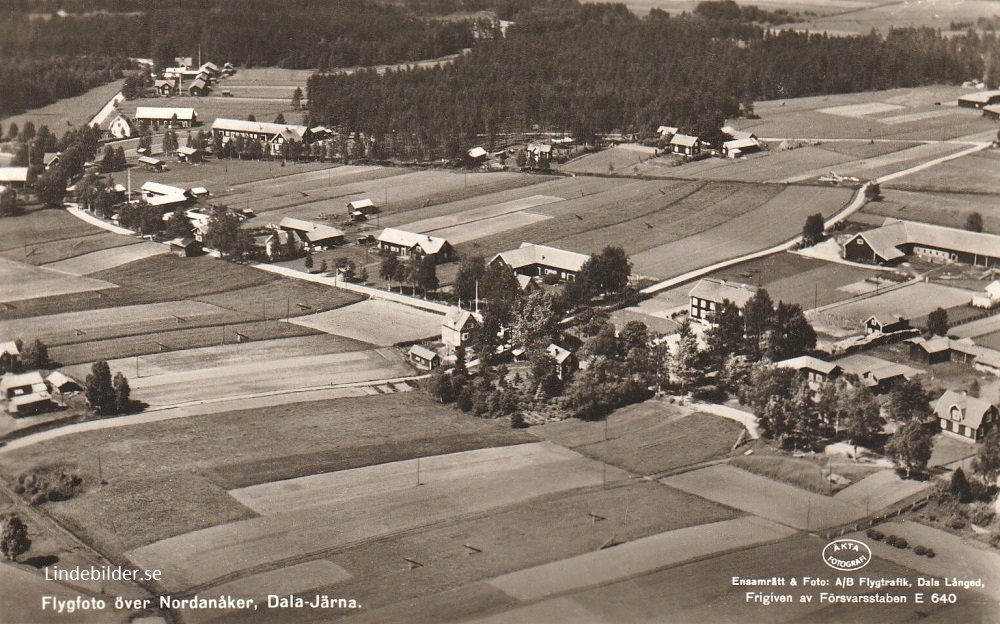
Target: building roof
x: 741, y: 144
x: 711, y: 289
x: 429, y: 244
x: 163, y: 83
x: 187, y: 151
x: 9, y: 347
x: 685, y: 140
x: 423, y: 353
x: 13, y: 174
x: 166, y: 200
x: 557, y: 353
x: 667, y: 130
x: 57, y: 380
x: 936, y: 344
x: 807, y: 362
x: 992, y: 108
x: 358, y: 204
x: 28, y: 399
x: 19, y: 381
x: 313, y: 232
x: 972, y: 410
x: 980, y: 97
x: 182, y: 242
x: 199, y: 83
x: 457, y: 318
x: 149, y: 160
x: 537, y: 148
x: 885, y: 240
x: 993, y: 289
x: 210, y: 66
x: 164, y: 113
x: 525, y: 281
x: 529, y: 253
x: 477, y: 152
x: 258, y: 127
x: 155, y: 188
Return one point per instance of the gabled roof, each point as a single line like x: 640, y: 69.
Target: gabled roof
x: 973, y: 410
x: 19, y: 381
x: 50, y: 157
x: 718, y: 291
x: 667, y: 130
x: 529, y: 254
x: 199, y: 191
x: 28, y: 399
x: 882, y: 322
x: 992, y: 108
x: 993, y: 289
x: 807, y: 362
x: 163, y: 83
x: 936, y: 344
x: 685, y: 140
x: 557, y: 353
x: 182, y: 242
x: 257, y: 127
x: 313, y: 232
x: 358, y: 204
x: 166, y: 200
x: 525, y: 281
x: 164, y: 113
x: 894, y: 233
x: 741, y: 144
x: 187, y: 151
x: 457, y: 318
x: 13, y: 174
x: 9, y: 347
x: 149, y: 160
x: 424, y: 353
x: 981, y: 97
x: 537, y: 148
x: 477, y: 152
x: 199, y: 83
x: 429, y: 244
x: 155, y: 188
x: 57, y: 379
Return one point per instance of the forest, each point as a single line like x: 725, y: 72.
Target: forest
x: 586, y: 69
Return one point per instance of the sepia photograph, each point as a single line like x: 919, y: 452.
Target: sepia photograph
x: 499, y: 312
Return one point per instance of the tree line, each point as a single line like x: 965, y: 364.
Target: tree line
x: 588, y: 69
x: 30, y: 83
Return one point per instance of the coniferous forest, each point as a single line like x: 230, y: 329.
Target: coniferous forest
x: 587, y: 69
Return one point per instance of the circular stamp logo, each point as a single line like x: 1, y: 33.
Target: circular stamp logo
x: 847, y: 555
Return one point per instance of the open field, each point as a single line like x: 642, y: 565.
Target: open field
x: 766, y: 166
x: 220, y: 176
x: 801, y: 117
x: 763, y: 497
x: 202, y: 556
x: 975, y: 173
x: 69, y: 113
x: 45, y: 236
x: 977, y: 329
x: 377, y: 322
x: 771, y: 223
x: 149, y: 342
x: 95, y: 261
x: 262, y: 445
x: 280, y: 298
x: 884, y: 16
x: 880, y: 490
x: 18, y: 583
x: 939, y: 208
x: 237, y: 371
x: 101, y: 324
x: 618, y: 159
x: 23, y: 281
x: 647, y: 438
x: 911, y: 302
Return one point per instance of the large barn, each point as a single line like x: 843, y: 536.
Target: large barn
x: 273, y: 134
x: 156, y: 117
x: 539, y: 261
x: 897, y: 239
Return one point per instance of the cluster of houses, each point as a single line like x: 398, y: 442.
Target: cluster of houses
x: 199, y: 78
x: 154, y: 118
x: 740, y: 143
x: 29, y: 393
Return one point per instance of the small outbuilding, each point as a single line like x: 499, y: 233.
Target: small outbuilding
x: 423, y: 358
x: 185, y: 247
x: 153, y: 164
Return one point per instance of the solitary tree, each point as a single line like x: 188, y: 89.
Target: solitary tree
x: 14, y: 540
x: 937, y: 322
x: 122, y: 393
x: 309, y: 262
x: 389, y: 267
x: 51, y: 187
x: 873, y: 192
x: 812, y: 231
x: 960, y: 486
x: 910, y: 447
x: 280, y: 119
x: 974, y: 222
x: 297, y: 98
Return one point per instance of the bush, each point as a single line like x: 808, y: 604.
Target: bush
x: 929, y: 553
x: 919, y: 550
x: 982, y: 516
x: 875, y: 534
x: 517, y: 421
x: 49, y: 483
x: 901, y: 543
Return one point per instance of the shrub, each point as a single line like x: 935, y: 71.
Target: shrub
x: 901, y: 543
x: 929, y: 553
x: 919, y: 550
x: 956, y: 522
x: 517, y: 421
x: 875, y: 534
x: 982, y: 516
x: 49, y: 483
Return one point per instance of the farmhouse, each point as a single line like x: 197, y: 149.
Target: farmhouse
x: 708, y: 294
x: 990, y: 297
x: 740, y: 147
x: 165, y: 88
x: 685, y: 144
x: 539, y: 154
x: 25, y: 383
x: 10, y: 357
x: 273, y: 134
x: 896, y: 323
x: 185, y: 247
x: 666, y: 132
x: 477, y: 154
x: 979, y: 99
x: 898, y: 239
x: 565, y: 361
x: 966, y: 416
x: 121, y: 127
x: 157, y: 117
x: 459, y: 327
x: 312, y: 235
x: 816, y: 370
x: 933, y: 351
x: 540, y: 261
x: 875, y: 373
x: 403, y: 243
x: 199, y: 87
x: 14, y: 177
x: 359, y: 209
